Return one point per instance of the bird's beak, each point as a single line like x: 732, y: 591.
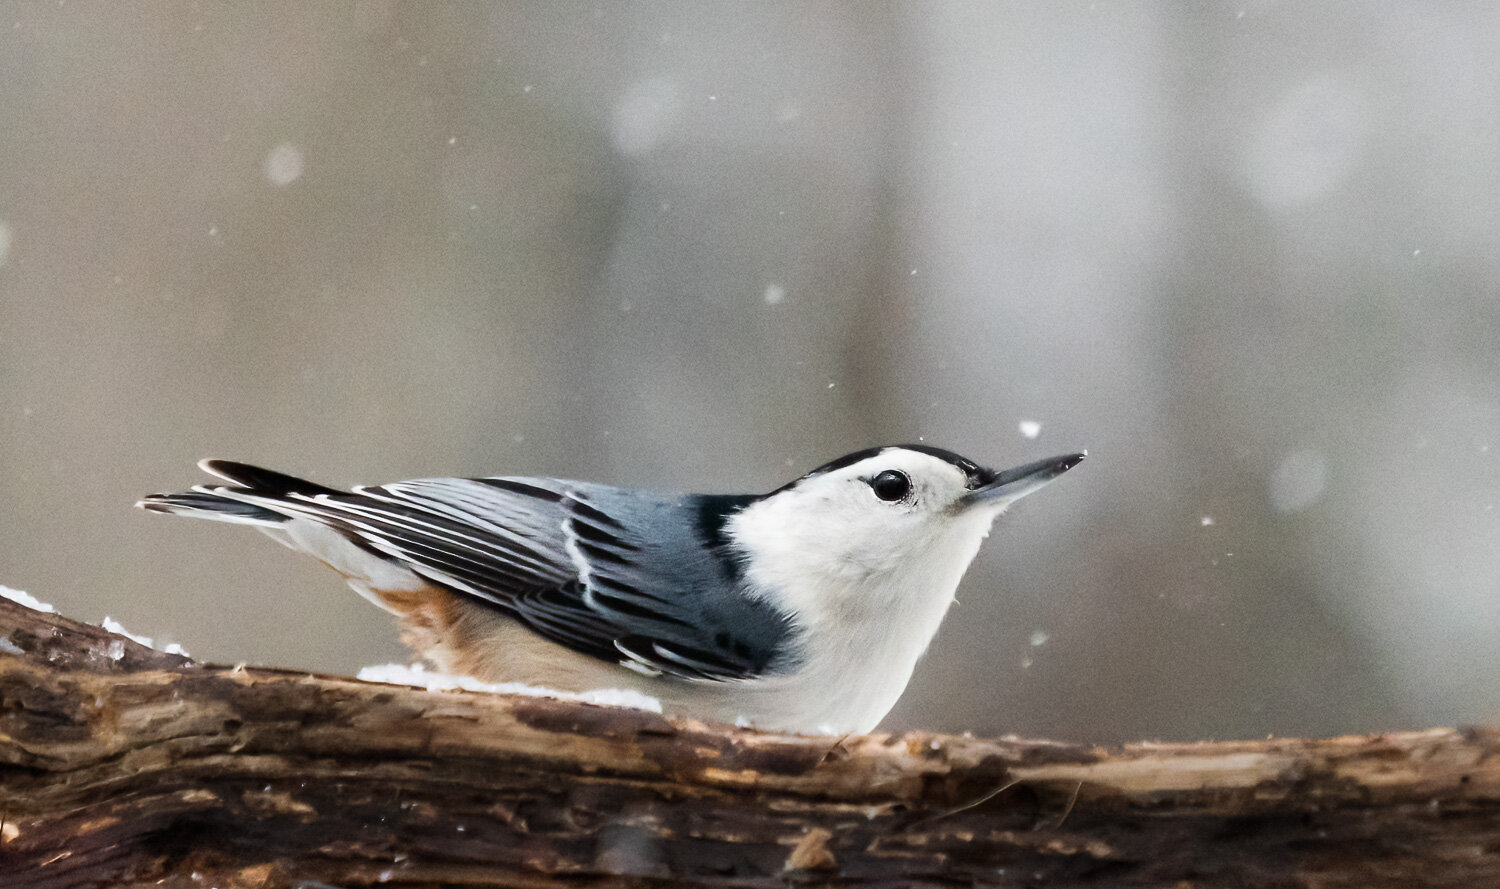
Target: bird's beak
x: 1013, y: 484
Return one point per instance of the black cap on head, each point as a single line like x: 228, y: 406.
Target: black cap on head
x: 975, y: 476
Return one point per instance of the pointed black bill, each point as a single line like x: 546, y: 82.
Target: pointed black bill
x: 1013, y: 484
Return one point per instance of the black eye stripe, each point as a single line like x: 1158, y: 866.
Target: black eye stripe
x: 891, y: 485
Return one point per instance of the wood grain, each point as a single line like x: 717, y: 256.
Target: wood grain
x: 122, y: 766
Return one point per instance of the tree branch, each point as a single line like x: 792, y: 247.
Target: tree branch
x: 124, y: 766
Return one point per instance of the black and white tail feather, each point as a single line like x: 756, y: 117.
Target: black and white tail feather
x: 545, y: 552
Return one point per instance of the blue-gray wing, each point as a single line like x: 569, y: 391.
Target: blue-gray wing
x: 661, y: 567
x: 643, y: 580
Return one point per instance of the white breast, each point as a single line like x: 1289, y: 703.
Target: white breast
x: 866, y: 615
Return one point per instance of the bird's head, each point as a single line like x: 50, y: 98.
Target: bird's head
x: 880, y: 521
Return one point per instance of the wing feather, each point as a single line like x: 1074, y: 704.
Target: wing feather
x: 620, y: 575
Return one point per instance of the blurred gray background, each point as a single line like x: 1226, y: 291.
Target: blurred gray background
x: 1247, y: 254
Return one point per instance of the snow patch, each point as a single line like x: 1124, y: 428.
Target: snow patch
x: 27, y: 600
x: 421, y: 677
x: 113, y: 626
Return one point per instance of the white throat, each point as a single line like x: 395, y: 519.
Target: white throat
x: 866, y: 614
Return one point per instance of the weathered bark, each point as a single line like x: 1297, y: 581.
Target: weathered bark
x: 122, y: 766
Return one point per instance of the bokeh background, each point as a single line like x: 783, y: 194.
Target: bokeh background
x: 1248, y: 254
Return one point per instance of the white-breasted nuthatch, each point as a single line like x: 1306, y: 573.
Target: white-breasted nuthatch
x: 804, y: 609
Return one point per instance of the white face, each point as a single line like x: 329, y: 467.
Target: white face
x: 887, y: 526
x: 864, y: 557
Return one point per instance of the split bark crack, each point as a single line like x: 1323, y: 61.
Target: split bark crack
x: 124, y: 766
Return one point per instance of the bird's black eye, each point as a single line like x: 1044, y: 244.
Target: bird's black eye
x: 891, y: 485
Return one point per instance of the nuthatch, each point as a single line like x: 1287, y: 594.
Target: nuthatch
x: 804, y: 609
